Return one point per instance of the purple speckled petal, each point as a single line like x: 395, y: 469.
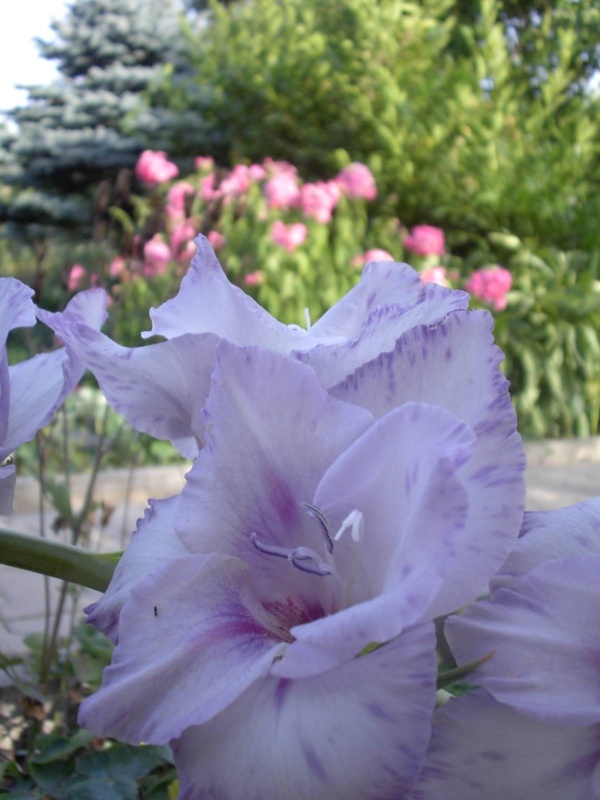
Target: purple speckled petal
x: 16, y: 307
x: 159, y: 389
x: 379, y: 333
x: 563, y: 533
x: 454, y: 364
x: 545, y: 631
x: 208, y: 303
x: 192, y: 638
x: 8, y: 480
x: 401, y: 476
x: 482, y: 750
x: 152, y: 543
x: 271, y: 433
x: 355, y: 733
x: 381, y: 283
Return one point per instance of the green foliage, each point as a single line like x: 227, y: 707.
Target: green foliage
x: 467, y: 123
x: 70, y: 763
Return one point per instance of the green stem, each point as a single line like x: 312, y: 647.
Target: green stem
x: 57, y: 560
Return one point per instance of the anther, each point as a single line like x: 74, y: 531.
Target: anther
x: 319, y: 515
x: 353, y: 522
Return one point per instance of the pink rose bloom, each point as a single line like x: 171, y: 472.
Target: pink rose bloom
x: 153, y: 167
x: 254, y: 278
x: 435, y: 275
x: 237, y: 182
x: 76, y: 276
x: 256, y: 172
x: 281, y: 191
x: 204, y: 162
x: 319, y: 199
x: 425, y: 240
x: 178, y: 193
x: 288, y: 236
x: 188, y: 252
x: 116, y: 267
x: 357, y: 181
x: 216, y: 239
x: 180, y: 236
x: 372, y: 255
x: 490, y: 284
x: 278, y: 167
x: 157, y: 253
x: 207, y: 188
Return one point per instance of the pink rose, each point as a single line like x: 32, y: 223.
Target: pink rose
x: 207, y: 188
x: 425, y: 240
x: 319, y: 199
x: 237, y: 182
x: 254, y: 278
x: 357, y: 181
x: 372, y: 255
x: 490, y: 284
x: 203, y: 162
x: 281, y: 191
x: 157, y: 254
x: 216, y: 239
x: 288, y: 236
x: 178, y: 193
x: 435, y: 275
x: 116, y: 267
x: 278, y: 167
x: 180, y: 236
x: 256, y: 172
x: 153, y: 167
x: 76, y: 276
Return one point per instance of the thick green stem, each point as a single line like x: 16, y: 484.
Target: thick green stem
x: 57, y: 560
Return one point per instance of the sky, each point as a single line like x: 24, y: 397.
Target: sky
x: 19, y: 59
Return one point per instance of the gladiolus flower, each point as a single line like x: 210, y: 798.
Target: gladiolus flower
x: 357, y: 181
x: 153, y: 167
x: 31, y: 391
x: 490, y: 284
x: 425, y: 240
x: 288, y: 236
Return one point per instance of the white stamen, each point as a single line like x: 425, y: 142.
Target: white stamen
x: 353, y: 522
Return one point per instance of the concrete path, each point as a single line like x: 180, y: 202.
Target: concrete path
x: 559, y: 474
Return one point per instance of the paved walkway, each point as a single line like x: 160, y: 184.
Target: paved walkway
x: 558, y: 474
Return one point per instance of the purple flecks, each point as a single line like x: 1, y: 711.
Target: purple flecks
x: 313, y: 761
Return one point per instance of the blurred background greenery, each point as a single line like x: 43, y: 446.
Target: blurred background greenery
x: 479, y: 118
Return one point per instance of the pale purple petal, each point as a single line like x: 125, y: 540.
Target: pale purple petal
x: 159, y: 389
x: 379, y: 333
x: 482, y: 750
x: 544, y: 629
x: 16, y: 307
x: 8, y: 481
x: 454, y: 364
x: 381, y: 283
x: 208, y: 303
x: 272, y: 432
x: 356, y: 733
x: 401, y: 476
x: 192, y: 638
x: 563, y: 533
x: 152, y: 543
